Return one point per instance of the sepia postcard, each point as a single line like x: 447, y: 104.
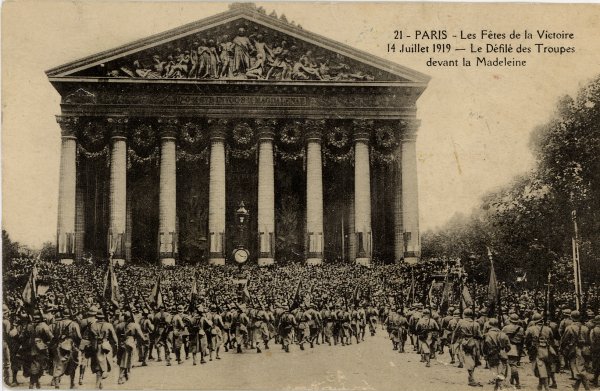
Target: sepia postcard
x: 300, y: 195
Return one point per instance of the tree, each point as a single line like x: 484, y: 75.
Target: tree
x: 48, y: 251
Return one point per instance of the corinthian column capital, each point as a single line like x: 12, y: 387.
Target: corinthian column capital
x: 314, y: 129
x: 118, y: 126
x: 410, y: 128
x: 217, y: 129
x: 362, y: 129
x: 167, y: 127
x: 68, y: 126
x: 265, y: 129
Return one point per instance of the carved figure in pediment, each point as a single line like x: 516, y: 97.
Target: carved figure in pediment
x: 203, y: 59
x: 241, y: 52
x: 180, y: 66
x: 280, y: 65
x: 226, y: 49
x: 214, y: 59
x: 306, y: 68
x: 194, y: 60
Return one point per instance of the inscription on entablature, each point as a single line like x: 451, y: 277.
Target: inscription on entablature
x: 348, y: 101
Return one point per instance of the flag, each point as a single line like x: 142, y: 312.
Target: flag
x: 492, y: 290
x: 111, y: 288
x: 30, y: 291
x: 193, y: 296
x: 297, y: 300
x: 156, y: 297
x: 466, y: 299
x: 357, y: 295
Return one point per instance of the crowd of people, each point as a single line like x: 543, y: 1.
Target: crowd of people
x: 169, y: 313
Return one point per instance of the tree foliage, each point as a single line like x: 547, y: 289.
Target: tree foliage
x: 528, y: 223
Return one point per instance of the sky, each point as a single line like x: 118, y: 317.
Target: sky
x: 475, y: 124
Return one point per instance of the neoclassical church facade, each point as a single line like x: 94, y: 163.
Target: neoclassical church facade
x: 163, y: 138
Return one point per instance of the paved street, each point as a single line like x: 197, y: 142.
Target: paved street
x: 371, y: 365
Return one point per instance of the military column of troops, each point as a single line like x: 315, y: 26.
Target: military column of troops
x: 64, y: 344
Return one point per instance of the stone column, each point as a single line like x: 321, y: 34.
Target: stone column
x: 314, y: 193
x: 398, y: 217
x: 167, y: 198
x: 266, y: 193
x: 410, y: 194
x: 362, y: 192
x: 118, y: 188
x: 216, y: 193
x: 65, y: 234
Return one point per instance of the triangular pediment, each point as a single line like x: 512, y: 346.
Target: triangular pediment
x: 243, y: 43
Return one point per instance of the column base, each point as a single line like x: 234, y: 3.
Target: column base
x: 265, y: 261
x: 363, y: 261
x: 216, y: 261
x: 411, y: 260
x: 66, y: 261
x: 167, y: 261
x: 314, y: 261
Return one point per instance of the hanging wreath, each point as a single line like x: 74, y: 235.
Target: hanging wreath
x: 243, y: 134
x: 135, y: 160
x: 291, y: 134
x: 143, y: 138
x: 186, y: 157
x: 192, y: 135
x: 92, y: 137
x: 382, y: 158
x: 289, y: 156
x: 289, y: 143
x: 385, y: 139
x: 103, y: 153
x: 243, y: 145
x: 331, y: 156
x: 337, y: 137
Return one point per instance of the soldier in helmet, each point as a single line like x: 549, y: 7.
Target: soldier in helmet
x: 179, y: 331
x: 104, y: 338
x: 147, y: 329
x: 516, y: 336
x: 445, y: 331
x: 286, y: 327
x: 468, y: 333
x: 454, y: 339
x: 129, y: 333
x: 39, y: 335
x: 427, y: 329
x: 495, y: 347
x: 595, y: 348
x: 575, y: 343
x: 539, y: 340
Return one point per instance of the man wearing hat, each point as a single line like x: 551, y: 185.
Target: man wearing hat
x: 67, y: 337
x: 564, y: 323
x: 129, y: 331
x: 147, y: 329
x: 454, y: 340
x: 446, y: 332
x: 595, y: 348
x: 216, y: 332
x: 539, y: 340
x: 328, y: 319
x: 575, y: 343
x: 516, y: 336
x: 468, y: 333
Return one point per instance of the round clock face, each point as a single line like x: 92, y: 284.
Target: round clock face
x: 240, y: 255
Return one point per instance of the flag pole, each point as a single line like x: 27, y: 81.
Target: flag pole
x: 576, y: 267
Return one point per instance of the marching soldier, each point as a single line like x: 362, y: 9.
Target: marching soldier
x: 575, y: 343
x: 240, y: 324
x: 179, y: 329
x: 495, y: 348
x: 469, y: 334
x: 287, y: 324
x: 162, y: 333
x: 104, y: 338
x: 314, y: 324
x: 261, y: 328
x: 595, y: 349
x: 39, y: 335
x: 427, y: 329
x: 455, y: 340
x: 540, y: 343
x: 66, y: 353
x: 129, y: 331
x: 446, y: 332
x: 216, y: 332
x: 147, y: 330
x: 516, y: 336
x: 371, y: 314
x: 328, y: 318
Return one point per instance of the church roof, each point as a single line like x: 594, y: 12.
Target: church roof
x: 305, y: 55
